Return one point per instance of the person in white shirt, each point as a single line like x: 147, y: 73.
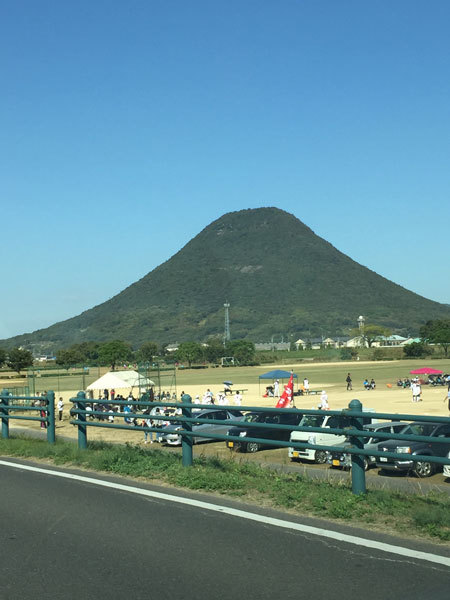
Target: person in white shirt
x: 324, y: 401
x: 416, y: 392
x: 60, y: 409
x: 237, y: 398
x: 221, y: 398
x: 306, y: 385
x: 276, y: 389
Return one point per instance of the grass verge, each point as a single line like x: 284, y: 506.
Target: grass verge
x: 424, y: 516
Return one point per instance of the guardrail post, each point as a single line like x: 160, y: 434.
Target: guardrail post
x: 186, y: 440
x: 4, y: 412
x: 358, y: 472
x: 82, y: 429
x: 51, y: 417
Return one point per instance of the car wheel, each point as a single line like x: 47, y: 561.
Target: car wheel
x: 423, y: 469
x: 252, y: 447
x: 320, y: 457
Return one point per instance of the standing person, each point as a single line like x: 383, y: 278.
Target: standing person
x: 276, y: 389
x: 237, y: 398
x: 324, y: 401
x: 348, y: 379
x: 148, y: 435
x: 447, y: 397
x: 306, y: 385
x: 416, y: 391
x: 43, y: 413
x: 60, y: 406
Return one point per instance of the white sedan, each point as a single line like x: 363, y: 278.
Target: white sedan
x: 447, y: 468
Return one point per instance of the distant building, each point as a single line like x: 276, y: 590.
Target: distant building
x: 317, y: 343
x: 272, y: 346
x: 172, y: 347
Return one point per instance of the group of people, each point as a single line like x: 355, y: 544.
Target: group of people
x: 219, y: 399
x: 369, y: 385
x: 404, y: 383
x: 273, y: 390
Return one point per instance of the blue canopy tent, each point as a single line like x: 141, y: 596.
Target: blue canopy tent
x: 276, y: 374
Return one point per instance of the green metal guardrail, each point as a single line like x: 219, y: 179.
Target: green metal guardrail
x: 354, y: 414
x: 46, y: 408
x: 354, y: 430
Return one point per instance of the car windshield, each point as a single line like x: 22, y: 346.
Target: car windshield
x: 235, y: 413
x: 312, y: 421
x: 252, y: 417
x: 418, y: 429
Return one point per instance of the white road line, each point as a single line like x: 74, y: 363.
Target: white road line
x: 341, y: 537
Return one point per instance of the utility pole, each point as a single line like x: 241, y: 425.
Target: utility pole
x: 226, y: 335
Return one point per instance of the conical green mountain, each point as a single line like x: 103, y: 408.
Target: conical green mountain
x: 278, y: 276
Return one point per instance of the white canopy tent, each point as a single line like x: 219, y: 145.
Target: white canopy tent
x: 119, y: 380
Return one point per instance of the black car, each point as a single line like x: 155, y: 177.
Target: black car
x: 266, y: 433
x: 420, y: 468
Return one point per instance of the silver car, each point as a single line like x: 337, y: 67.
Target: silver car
x: 344, y: 459
x: 170, y: 433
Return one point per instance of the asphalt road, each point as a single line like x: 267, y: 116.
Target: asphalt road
x: 64, y: 539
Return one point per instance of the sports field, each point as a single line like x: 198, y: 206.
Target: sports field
x: 387, y: 397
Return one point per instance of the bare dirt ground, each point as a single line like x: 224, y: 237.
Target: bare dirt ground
x: 382, y: 399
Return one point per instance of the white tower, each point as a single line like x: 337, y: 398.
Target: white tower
x: 361, y: 321
x: 226, y: 335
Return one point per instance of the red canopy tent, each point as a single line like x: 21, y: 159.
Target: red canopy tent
x: 426, y: 371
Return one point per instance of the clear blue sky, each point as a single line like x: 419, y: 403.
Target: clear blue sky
x: 128, y: 126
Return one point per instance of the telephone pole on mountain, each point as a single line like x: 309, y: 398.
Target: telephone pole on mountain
x: 226, y: 334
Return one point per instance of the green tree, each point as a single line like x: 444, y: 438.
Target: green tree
x: 214, y: 350
x: 19, y: 359
x: 437, y: 332
x: 88, y: 350
x: 3, y: 357
x: 190, y: 352
x: 416, y: 350
x: 147, y: 351
x: 69, y: 357
x: 370, y: 334
x: 242, y: 350
x: 111, y: 353
x: 346, y: 353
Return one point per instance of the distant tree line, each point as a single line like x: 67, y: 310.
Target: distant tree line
x: 118, y: 352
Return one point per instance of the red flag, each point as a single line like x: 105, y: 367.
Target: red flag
x: 287, y: 395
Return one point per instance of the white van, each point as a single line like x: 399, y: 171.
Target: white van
x: 320, y: 439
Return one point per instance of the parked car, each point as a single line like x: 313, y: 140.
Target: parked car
x: 322, y: 439
x: 170, y: 433
x: 282, y: 435
x: 343, y: 459
x: 447, y: 467
x: 420, y: 468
